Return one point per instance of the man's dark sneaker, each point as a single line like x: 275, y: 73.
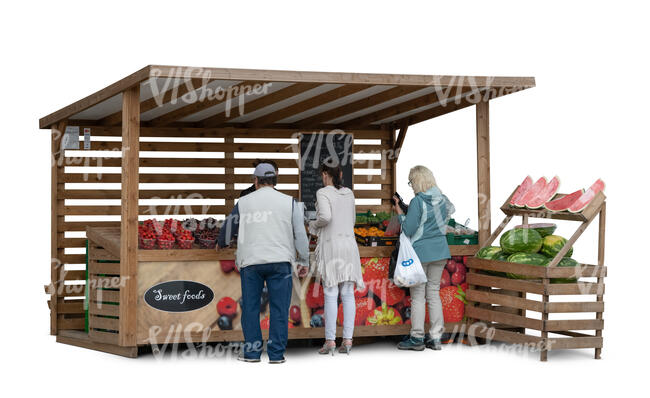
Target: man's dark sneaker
x: 412, y: 343
x: 276, y: 361
x: 242, y: 358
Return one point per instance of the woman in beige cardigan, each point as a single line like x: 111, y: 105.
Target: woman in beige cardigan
x: 337, y: 255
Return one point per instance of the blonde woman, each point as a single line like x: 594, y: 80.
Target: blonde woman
x: 425, y: 225
x: 337, y: 255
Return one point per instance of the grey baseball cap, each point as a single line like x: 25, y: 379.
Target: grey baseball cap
x: 264, y: 170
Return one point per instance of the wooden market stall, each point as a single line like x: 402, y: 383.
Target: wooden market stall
x: 122, y: 151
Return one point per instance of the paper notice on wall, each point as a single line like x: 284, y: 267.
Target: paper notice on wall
x: 70, y: 138
x: 87, y: 138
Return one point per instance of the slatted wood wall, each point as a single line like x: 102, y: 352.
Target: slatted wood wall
x: 183, y: 172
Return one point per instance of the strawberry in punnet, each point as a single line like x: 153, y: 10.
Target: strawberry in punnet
x: 364, y: 307
x: 453, y: 303
x: 227, y: 306
x: 315, y: 296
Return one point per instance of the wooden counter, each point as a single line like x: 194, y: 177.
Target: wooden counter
x: 109, y: 239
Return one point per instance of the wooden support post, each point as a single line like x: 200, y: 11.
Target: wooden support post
x: 230, y: 203
x: 393, y: 169
x: 55, y: 264
x: 483, y: 169
x: 129, y: 222
x: 601, y: 262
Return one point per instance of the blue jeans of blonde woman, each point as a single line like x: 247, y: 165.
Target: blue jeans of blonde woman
x: 428, y: 293
x: 331, y: 309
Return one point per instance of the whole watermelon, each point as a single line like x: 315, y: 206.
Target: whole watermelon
x: 501, y: 256
x: 565, y: 262
x: 544, y: 229
x: 552, y: 244
x: 521, y: 240
x: 527, y: 258
x: 488, y: 252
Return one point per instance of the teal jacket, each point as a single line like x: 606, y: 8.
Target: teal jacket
x: 426, y: 223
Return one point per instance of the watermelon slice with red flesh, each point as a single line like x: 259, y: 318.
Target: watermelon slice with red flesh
x: 521, y: 190
x: 537, y: 187
x: 563, y: 203
x: 582, y: 202
x: 545, y: 194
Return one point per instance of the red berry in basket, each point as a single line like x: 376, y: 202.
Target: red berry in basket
x: 227, y: 306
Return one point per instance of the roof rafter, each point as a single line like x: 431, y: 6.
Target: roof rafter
x: 259, y: 103
x: 406, y: 106
x: 364, y: 103
x: 199, y: 106
x: 307, y: 104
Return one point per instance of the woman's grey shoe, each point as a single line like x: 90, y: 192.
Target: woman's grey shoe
x: 434, y: 344
x: 412, y: 343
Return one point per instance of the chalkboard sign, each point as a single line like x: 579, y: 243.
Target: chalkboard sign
x: 314, y: 149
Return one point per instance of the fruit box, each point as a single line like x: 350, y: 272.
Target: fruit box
x: 377, y: 240
x: 501, y: 303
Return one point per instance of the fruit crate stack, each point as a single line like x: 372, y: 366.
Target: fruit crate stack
x: 499, y: 288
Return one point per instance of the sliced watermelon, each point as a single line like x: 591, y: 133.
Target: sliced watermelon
x: 564, y: 202
x: 537, y: 187
x: 582, y: 202
x: 521, y: 190
x: 545, y: 194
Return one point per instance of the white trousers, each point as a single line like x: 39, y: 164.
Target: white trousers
x: 331, y: 309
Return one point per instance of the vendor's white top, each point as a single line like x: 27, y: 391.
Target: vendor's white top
x: 271, y: 230
x: 337, y: 255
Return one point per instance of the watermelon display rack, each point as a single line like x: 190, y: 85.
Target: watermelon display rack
x: 502, y: 304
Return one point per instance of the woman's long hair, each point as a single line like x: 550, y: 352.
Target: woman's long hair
x: 333, y: 171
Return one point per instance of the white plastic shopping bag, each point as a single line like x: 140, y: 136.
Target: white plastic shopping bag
x: 408, y: 270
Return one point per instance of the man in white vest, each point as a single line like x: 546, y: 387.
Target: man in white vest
x: 271, y: 240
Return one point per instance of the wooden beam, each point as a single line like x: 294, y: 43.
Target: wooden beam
x: 198, y: 106
x: 356, y: 106
x: 307, y: 104
x: 129, y: 211
x: 259, y: 103
x: 397, y: 147
x: 55, y: 267
x: 153, y: 102
x: 342, y: 77
x: 483, y: 169
x: 601, y: 262
x: 95, y: 98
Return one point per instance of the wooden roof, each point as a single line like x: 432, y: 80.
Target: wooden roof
x: 176, y: 96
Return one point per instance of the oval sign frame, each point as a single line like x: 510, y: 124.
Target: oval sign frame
x: 185, y: 291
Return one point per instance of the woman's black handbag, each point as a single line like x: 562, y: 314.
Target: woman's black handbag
x: 393, y: 262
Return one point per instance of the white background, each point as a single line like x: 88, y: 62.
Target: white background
x: 587, y: 118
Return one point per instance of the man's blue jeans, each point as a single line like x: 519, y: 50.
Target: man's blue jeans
x: 278, y: 281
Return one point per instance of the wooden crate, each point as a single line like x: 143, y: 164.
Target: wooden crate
x: 502, y: 303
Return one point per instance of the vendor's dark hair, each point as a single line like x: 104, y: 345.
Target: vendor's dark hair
x: 332, y: 169
x: 267, y: 180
